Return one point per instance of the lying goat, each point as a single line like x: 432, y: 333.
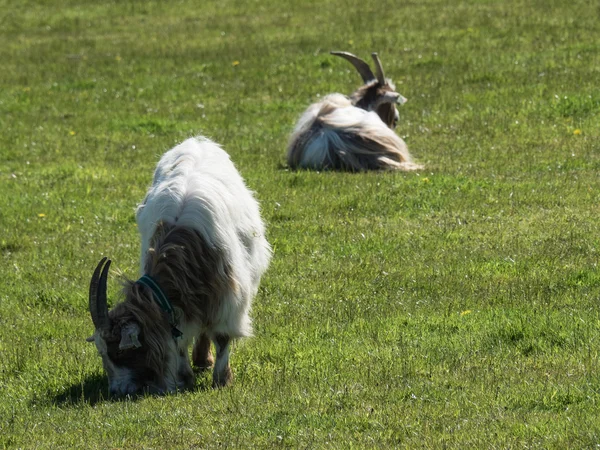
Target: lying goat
x: 353, y: 133
x: 203, y: 254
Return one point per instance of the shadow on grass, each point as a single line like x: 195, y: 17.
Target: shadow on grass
x: 94, y: 389
x: 91, y: 390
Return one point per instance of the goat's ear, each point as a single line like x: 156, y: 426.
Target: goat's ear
x: 129, y: 336
x: 90, y: 339
x: 394, y: 97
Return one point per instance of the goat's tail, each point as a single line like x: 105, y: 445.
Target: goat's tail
x: 328, y: 136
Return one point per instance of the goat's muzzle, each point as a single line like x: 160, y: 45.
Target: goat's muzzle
x: 98, y: 300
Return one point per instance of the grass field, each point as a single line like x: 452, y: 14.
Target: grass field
x: 456, y: 307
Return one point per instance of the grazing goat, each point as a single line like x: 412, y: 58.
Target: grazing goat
x: 355, y: 133
x: 203, y: 254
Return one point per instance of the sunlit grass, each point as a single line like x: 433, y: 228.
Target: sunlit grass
x: 454, y: 307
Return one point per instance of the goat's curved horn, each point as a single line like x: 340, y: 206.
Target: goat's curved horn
x: 378, y: 68
x: 98, y: 301
x: 363, y: 68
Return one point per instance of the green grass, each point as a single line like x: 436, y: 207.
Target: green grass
x: 456, y: 307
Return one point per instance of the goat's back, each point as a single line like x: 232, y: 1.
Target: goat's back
x: 197, y: 186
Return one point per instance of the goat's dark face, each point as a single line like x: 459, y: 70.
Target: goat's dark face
x: 385, y: 105
x: 381, y: 99
x: 378, y: 93
x: 136, y: 357
x: 130, y: 368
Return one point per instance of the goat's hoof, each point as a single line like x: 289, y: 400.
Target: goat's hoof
x: 223, y: 380
x: 187, y: 381
x: 204, y: 364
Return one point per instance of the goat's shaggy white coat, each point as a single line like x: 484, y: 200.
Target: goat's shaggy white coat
x: 197, y: 186
x: 334, y: 130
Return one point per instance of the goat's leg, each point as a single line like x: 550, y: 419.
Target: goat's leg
x: 222, y: 375
x: 201, y: 354
x: 185, y: 375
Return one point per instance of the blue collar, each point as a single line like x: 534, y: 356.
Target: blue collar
x: 162, y: 300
